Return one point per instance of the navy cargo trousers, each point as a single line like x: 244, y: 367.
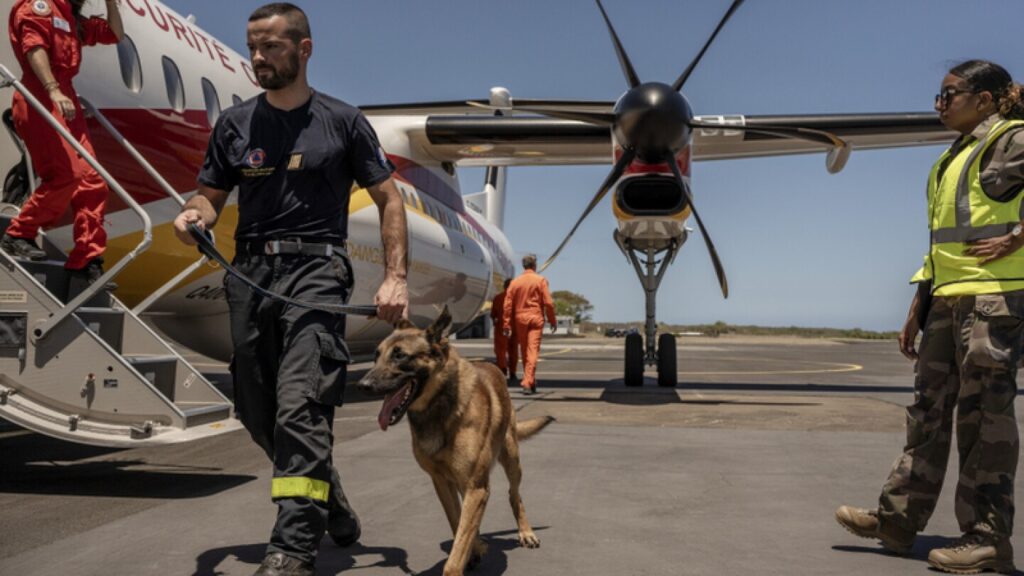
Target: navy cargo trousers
x: 289, y: 369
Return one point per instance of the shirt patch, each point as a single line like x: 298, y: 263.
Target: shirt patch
x: 257, y: 172
x: 41, y: 8
x: 256, y: 158
x: 61, y: 24
x: 295, y: 162
x: 383, y: 159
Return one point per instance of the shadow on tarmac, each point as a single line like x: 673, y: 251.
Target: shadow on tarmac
x: 923, y: 544
x: 35, y: 464
x: 495, y: 562
x: 331, y: 559
x: 115, y: 479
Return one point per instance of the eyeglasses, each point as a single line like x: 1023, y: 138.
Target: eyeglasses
x: 947, y: 94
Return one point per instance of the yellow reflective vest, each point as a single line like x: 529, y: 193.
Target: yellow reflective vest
x: 960, y: 212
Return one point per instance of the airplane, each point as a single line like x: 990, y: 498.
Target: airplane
x: 164, y: 86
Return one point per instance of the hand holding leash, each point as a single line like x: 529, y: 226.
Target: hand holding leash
x: 202, y: 240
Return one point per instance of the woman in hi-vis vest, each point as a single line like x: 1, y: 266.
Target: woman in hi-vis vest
x: 970, y: 308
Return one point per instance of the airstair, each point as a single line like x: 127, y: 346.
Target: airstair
x: 76, y: 363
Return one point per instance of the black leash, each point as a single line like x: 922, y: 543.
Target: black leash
x: 207, y: 248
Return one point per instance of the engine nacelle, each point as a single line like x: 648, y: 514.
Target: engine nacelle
x: 650, y: 195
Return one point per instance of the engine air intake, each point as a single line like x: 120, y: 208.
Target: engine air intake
x: 651, y: 195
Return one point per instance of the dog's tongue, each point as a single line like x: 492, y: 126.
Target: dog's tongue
x: 391, y: 402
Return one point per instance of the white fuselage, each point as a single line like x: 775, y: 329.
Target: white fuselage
x: 457, y: 257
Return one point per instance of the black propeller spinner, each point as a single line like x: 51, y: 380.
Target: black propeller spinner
x: 652, y: 121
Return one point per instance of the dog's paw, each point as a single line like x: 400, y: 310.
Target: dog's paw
x: 529, y: 540
x: 479, y: 551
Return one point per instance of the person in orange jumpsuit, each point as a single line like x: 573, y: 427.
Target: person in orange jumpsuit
x: 527, y: 301
x: 506, y: 353
x: 47, y: 37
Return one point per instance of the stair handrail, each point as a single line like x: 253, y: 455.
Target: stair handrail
x: 167, y: 188
x: 44, y: 328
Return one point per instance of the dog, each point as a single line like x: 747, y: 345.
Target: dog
x: 462, y: 422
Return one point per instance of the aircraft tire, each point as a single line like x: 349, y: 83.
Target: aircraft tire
x: 634, y: 360
x: 667, y: 376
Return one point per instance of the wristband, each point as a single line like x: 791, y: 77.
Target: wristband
x: 51, y: 86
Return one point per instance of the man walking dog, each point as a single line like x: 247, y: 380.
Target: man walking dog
x: 293, y: 153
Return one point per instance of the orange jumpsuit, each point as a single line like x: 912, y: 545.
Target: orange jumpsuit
x: 66, y: 178
x: 505, y: 351
x: 526, y: 303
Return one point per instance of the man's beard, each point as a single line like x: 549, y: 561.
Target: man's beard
x: 279, y: 78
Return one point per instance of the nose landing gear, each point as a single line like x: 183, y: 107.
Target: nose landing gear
x: 650, y: 263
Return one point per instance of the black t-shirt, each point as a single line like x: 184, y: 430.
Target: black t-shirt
x: 294, y: 169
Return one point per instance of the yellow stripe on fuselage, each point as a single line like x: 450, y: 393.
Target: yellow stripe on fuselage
x: 167, y: 256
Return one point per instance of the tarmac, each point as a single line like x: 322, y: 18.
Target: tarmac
x: 738, y: 470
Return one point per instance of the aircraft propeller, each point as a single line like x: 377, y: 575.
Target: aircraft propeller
x: 652, y: 121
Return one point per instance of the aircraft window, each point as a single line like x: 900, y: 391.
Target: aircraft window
x: 175, y: 88
x: 236, y: 99
x: 212, y: 101
x: 131, y: 69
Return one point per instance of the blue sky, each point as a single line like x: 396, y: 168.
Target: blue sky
x: 800, y: 246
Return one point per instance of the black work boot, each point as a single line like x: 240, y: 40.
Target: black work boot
x: 278, y: 564
x: 21, y: 248
x: 92, y: 271
x: 342, y: 522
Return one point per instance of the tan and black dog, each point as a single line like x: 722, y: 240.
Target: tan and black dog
x: 462, y: 422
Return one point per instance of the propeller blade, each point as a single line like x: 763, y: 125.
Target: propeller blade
x: 627, y: 67
x: 689, y: 69
x: 613, y: 177
x: 719, y: 270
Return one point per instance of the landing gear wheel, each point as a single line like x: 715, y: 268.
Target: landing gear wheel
x: 667, y: 376
x: 634, y: 360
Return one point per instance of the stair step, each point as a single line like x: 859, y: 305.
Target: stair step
x: 78, y: 284
x: 108, y: 323
x: 60, y: 282
x: 159, y: 370
x: 204, y: 414
x: 51, y: 274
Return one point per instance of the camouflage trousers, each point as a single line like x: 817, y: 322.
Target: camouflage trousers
x: 968, y: 361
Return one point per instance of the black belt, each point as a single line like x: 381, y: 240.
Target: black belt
x: 207, y: 248
x: 293, y: 246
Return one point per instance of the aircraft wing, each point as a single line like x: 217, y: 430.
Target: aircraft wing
x: 862, y: 131
x: 464, y: 133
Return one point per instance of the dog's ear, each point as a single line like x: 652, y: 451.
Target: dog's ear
x: 439, y: 329
x: 404, y: 324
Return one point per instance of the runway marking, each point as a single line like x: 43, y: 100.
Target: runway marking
x: 355, y: 418
x: 543, y: 355
x: 841, y: 368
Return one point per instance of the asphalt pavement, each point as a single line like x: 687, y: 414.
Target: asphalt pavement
x: 738, y: 470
